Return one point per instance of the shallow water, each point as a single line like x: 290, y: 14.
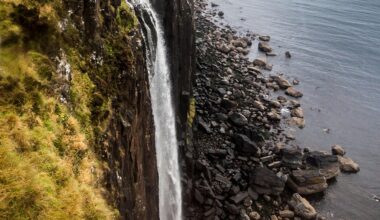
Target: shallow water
x: 335, y: 47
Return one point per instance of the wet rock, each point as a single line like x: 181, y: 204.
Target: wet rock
x: 214, y: 5
x: 283, y: 83
x: 338, y: 150
x: 292, y: 157
x: 239, y: 43
x: 286, y: 214
x: 287, y: 54
x: 302, y: 207
x: 295, y: 103
x: 220, y: 13
x: 254, y: 69
x: 299, y: 122
x: 293, y: 92
x: 348, y: 165
x: 297, y: 112
x: 254, y: 216
x: 238, y: 119
x: 260, y: 61
x: 264, y: 47
x: 274, y: 116
x: 264, y: 38
x: 306, y: 182
x: 328, y: 164
x: 265, y: 181
x: 270, y: 54
x: 244, y: 144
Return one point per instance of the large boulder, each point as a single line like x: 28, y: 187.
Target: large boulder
x: 327, y: 163
x: 302, y: 207
x: 265, y: 181
x: 244, y: 144
x: 292, y: 157
x: 348, y: 165
x: 306, y: 182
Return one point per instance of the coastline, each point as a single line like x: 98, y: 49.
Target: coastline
x: 245, y: 165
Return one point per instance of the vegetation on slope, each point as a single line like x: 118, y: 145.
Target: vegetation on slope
x: 51, y: 112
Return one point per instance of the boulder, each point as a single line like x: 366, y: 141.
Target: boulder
x: 260, y: 61
x: 287, y: 54
x: 299, y: 122
x: 293, y: 92
x: 238, y: 119
x: 292, y: 157
x: 264, y: 38
x: 265, y: 181
x: 238, y: 198
x: 286, y: 214
x: 228, y: 104
x: 338, y: 150
x: 297, y: 112
x: 348, y: 165
x: 306, y: 182
x: 328, y: 164
x: 283, y: 83
x: 302, y: 207
x: 244, y: 144
x: 264, y: 47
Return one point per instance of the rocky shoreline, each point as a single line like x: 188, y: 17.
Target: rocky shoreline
x: 245, y: 164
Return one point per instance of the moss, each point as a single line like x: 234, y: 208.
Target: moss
x: 191, y: 112
x: 125, y: 17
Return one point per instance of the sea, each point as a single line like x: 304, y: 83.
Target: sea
x: 335, y: 48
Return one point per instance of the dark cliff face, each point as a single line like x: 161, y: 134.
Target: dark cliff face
x: 177, y: 19
x: 127, y: 143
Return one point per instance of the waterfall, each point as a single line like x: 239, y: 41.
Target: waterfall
x: 170, y: 201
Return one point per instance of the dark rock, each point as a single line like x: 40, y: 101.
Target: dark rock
x: 245, y: 144
x: 260, y: 61
x: 238, y: 119
x: 287, y: 54
x: 238, y: 198
x: 198, y: 196
x: 265, y: 181
x: 328, y: 164
x: 306, y: 182
x: 232, y: 209
x: 292, y: 157
x: 283, y: 83
x: 228, y: 104
x: 252, y: 194
x: 220, y: 13
x: 204, y: 125
x: 264, y: 47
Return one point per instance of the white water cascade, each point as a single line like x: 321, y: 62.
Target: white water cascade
x: 170, y: 201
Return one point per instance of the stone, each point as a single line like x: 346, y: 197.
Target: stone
x: 238, y: 119
x: 244, y: 144
x: 228, y: 104
x: 254, y: 216
x: 292, y: 157
x: 338, y: 150
x: 254, y: 69
x: 232, y: 209
x: 307, y: 182
x: 264, y: 38
x: 348, y: 165
x: 274, y: 116
x: 273, y: 217
x: 283, y: 83
x: 243, y: 215
x: 253, y: 194
x: 198, y: 196
x: 260, y: 61
x: 297, y: 112
x: 224, y: 48
x: 328, y: 164
x: 239, y: 43
x: 264, y: 47
x: 293, y: 92
x: 299, y: 122
x: 265, y: 181
x: 220, y: 13
x: 302, y: 207
x: 287, y: 54
x: 286, y: 214
x: 204, y: 125
x: 258, y: 105
x: 238, y: 198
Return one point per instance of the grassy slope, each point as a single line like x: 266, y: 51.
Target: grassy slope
x: 48, y: 120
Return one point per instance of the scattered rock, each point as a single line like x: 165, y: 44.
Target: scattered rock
x: 287, y: 54
x: 302, y: 207
x: 283, y: 83
x: 338, y: 150
x: 238, y: 198
x: 293, y: 92
x: 220, y: 13
x: 286, y: 214
x: 264, y: 47
x: 264, y: 38
x: 328, y: 164
x: 260, y: 61
x: 297, y: 112
x: 292, y: 157
x: 238, y: 119
x: 299, y: 122
x: 306, y: 182
x: 244, y: 144
x: 264, y: 181
x: 348, y: 165
x: 259, y: 105
x: 254, y: 216
x: 224, y: 48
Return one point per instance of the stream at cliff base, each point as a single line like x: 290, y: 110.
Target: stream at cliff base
x: 335, y: 47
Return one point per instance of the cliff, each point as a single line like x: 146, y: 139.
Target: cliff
x: 75, y: 121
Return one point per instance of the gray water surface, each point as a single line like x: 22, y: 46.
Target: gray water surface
x: 335, y: 47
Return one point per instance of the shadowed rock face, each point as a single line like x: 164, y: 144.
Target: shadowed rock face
x: 127, y: 144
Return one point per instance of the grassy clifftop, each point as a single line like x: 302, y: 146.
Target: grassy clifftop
x: 52, y: 110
